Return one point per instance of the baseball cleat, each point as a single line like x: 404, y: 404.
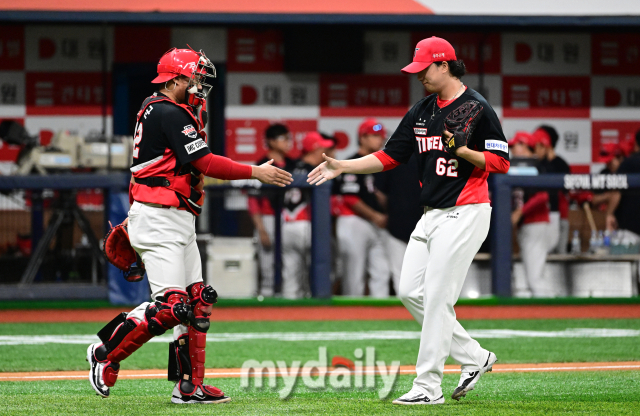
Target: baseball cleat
x: 468, y: 379
x: 416, y: 397
x: 198, y: 396
x: 95, y: 374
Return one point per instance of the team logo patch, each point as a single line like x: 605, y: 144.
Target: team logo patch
x: 190, y: 131
x: 194, y: 146
x: 496, y: 145
x: 419, y: 131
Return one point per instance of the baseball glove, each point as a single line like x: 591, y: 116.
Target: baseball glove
x: 461, y: 122
x: 117, y: 249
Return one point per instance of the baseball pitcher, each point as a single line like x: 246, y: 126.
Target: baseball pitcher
x: 458, y: 141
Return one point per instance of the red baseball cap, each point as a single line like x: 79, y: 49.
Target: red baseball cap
x: 372, y: 126
x: 541, y: 136
x: 609, y: 151
x: 314, y: 140
x: 428, y: 51
x: 522, y: 137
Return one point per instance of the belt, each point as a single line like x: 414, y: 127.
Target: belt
x: 154, y: 181
x: 153, y: 205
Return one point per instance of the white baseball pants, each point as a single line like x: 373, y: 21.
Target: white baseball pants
x: 296, y: 258
x: 436, y: 262
x: 166, y: 241
x: 361, y: 246
x: 395, y: 254
x: 536, y: 240
x: 266, y: 256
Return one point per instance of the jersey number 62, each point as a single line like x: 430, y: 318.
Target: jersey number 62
x: 447, y: 167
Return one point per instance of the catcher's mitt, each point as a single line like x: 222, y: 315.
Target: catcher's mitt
x: 117, y: 249
x: 461, y: 122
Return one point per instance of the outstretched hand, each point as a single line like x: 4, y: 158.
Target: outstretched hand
x: 325, y: 171
x: 269, y: 174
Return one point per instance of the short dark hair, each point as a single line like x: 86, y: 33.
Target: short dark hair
x: 456, y: 68
x: 553, y: 134
x: 275, y: 130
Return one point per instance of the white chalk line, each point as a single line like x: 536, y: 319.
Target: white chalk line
x: 336, y: 336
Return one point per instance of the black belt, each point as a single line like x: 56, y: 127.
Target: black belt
x: 154, y: 181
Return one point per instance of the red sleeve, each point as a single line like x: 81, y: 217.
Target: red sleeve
x: 534, y: 203
x: 495, y: 163
x: 130, y: 193
x: 222, y: 167
x: 388, y: 162
x: 350, y: 200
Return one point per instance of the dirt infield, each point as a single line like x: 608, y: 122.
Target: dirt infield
x: 343, y: 313
x: 405, y: 369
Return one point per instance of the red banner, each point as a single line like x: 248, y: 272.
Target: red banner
x: 142, y: 43
x: 558, y: 97
x: 615, y: 54
x: 255, y: 51
x: 11, y: 47
x: 245, y: 140
x: 66, y: 93
x: 621, y: 133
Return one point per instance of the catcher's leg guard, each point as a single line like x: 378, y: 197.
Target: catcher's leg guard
x: 129, y: 335
x: 187, y: 354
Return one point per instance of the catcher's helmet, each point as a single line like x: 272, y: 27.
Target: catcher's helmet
x: 194, y: 65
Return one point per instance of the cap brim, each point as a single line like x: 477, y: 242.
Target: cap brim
x: 163, y: 78
x: 327, y: 144
x: 415, y: 67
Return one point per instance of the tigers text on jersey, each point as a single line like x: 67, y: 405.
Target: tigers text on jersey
x: 447, y: 180
x: 166, y: 139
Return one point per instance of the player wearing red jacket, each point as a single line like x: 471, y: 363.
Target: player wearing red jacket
x: 170, y: 159
x: 456, y: 215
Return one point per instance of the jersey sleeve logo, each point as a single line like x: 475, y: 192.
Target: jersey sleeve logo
x: 190, y: 131
x: 496, y: 145
x: 194, y: 146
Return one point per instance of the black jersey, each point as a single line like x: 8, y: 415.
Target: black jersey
x: 557, y: 165
x: 447, y: 180
x: 166, y: 129
x: 296, y: 205
x: 362, y: 186
x: 627, y: 211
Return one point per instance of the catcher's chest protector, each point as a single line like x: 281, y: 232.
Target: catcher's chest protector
x: 162, y: 180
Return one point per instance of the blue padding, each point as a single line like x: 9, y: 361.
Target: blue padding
x: 122, y: 292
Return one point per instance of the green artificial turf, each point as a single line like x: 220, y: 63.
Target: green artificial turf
x: 333, y: 301
x: 52, y: 357
x: 593, y: 393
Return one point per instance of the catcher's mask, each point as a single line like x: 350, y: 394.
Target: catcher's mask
x: 189, y: 63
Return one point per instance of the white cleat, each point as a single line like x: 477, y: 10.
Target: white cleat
x: 468, y: 379
x: 416, y: 397
x: 95, y: 374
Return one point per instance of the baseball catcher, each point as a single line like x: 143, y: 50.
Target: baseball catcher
x: 170, y: 159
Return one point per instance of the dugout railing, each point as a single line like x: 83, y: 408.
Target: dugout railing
x: 501, y: 227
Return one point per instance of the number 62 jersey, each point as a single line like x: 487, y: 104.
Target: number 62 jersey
x: 447, y: 180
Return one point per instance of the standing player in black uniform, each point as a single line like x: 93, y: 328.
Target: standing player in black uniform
x: 263, y: 201
x: 361, y: 225
x: 547, y: 138
x: 456, y: 215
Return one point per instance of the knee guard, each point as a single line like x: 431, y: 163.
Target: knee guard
x: 129, y: 334
x: 187, y: 353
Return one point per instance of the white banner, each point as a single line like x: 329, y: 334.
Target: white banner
x: 546, y: 54
x: 68, y: 48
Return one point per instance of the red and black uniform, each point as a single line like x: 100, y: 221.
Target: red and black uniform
x: 262, y: 201
x: 447, y: 180
x: 171, y: 157
x: 349, y: 188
